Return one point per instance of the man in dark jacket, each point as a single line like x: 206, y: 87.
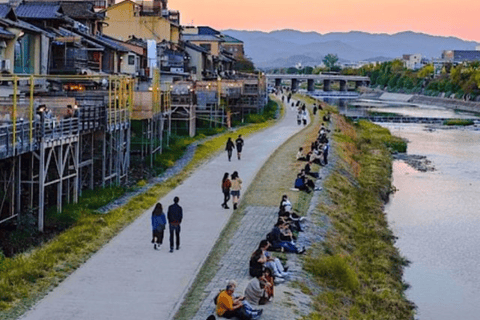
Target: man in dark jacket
x: 175, y: 216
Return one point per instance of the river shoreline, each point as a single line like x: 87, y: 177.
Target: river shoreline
x: 415, y: 99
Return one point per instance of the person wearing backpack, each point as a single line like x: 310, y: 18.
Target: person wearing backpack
x: 159, y: 221
x: 226, y: 184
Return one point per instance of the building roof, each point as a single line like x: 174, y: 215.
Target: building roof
x: 80, y: 10
x: 6, y: 11
x: 4, y: 34
x: 39, y: 10
x: 195, y: 47
x: 205, y: 30
x: 231, y: 39
x: 199, y: 37
x: 24, y: 26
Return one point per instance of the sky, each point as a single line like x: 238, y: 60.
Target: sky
x: 437, y: 17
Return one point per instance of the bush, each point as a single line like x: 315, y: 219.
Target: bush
x: 458, y: 122
x: 334, y: 270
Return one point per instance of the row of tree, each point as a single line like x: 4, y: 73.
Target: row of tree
x: 329, y: 65
x: 461, y: 81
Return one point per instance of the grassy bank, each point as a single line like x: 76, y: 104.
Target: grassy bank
x: 27, y: 277
x: 358, y: 265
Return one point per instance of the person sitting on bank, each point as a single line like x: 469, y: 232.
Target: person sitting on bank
x: 262, y: 259
x: 228, y: 307
x: 302, y: 183
x: 316, y: 156
x: 300, y: 155
x: 256, y: 292
x: 279, y: 244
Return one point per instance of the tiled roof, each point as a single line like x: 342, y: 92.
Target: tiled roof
x: 111, y: 43
x: 39, y: 10
x: 4, y: 9
x: 230, y: 39
x: 195, y: 47
x: 199, y: 37
x: 207, y: 31
x: 79, y: 10
x: 6, y: 34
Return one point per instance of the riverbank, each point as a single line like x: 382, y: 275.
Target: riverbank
x: 352, y: 269
x: 455, y: 104
x: 358, y: 265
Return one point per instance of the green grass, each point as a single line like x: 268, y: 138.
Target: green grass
x: 358, y: 265
x: 458, y: 122
x: 27, y: 277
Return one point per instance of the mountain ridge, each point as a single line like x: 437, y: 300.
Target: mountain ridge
x: 269, y: 49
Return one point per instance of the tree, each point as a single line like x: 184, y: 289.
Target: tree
x: 426, y: 71
x: 244, y: 64
x: 330, y: 60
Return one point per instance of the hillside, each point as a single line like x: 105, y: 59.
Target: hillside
x: 285, y: 48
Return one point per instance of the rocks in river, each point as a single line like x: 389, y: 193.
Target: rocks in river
x: 418, y: 162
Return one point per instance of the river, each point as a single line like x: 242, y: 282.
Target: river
x: 436, y: 216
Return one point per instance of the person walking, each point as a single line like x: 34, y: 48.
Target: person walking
x: 159, y: 221
x: 236, y: 187
x: 175, y: 216
x: 239, y: 145
x: 226, y: 184
x: 299, y: 118
x: 229, y: 147
x: 304, y: 117
x: 314, y: 109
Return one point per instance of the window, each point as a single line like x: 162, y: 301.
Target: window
x: 206, y: 46
x: 131, y: 60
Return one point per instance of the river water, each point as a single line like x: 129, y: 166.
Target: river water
x: 436, y: 216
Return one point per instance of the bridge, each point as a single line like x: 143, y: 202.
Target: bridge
x: 311, y: 79
x: 400, y: 119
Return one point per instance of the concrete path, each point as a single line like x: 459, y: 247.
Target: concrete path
x: 127, y: 279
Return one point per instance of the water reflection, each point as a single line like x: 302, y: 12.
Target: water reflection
x: 436, y: 218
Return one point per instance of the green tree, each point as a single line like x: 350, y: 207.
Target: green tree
x: 330, y: 60
x: 244, y: 64
x: 426, y: 71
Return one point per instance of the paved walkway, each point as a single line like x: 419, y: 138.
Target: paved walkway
x: 127, y: 279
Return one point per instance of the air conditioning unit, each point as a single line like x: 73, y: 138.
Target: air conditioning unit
x: 5, y: 65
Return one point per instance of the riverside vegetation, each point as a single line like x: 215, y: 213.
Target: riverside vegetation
x: 358, y: 266
x: 27, y: 276
x: 461, y: 81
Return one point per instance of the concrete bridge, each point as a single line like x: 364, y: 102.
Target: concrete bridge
x: 311, y: 79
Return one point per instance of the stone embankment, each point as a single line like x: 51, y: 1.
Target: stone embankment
x: 455, y: 104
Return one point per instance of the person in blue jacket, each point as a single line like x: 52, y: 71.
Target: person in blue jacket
x: 159, y: 221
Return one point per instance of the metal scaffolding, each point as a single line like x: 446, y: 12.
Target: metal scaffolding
x: 49, y: 156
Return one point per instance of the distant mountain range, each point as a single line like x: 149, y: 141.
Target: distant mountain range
x: 285, y: 48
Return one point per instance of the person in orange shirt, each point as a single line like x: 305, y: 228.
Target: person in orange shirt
x: 228, y: 307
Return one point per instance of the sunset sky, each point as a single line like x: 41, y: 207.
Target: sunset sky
x: 438, y: 17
